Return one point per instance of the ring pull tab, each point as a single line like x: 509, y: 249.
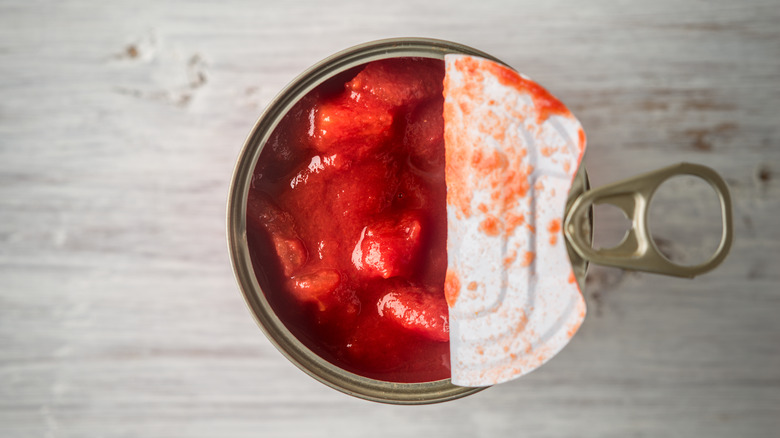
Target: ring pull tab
x: 638, y: 251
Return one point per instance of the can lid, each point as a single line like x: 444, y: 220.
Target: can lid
x: 512, y: 151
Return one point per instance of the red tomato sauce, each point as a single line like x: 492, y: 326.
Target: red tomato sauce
x: 346, y: 221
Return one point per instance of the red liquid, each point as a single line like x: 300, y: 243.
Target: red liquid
x: 346, y: 221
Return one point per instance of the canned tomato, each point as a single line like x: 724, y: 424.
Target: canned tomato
x: 275, y: 266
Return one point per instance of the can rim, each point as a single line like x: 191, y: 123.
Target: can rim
x: 274, y: 329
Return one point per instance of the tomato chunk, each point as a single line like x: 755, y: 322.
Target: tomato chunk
x: 424, y: 135
x: 399, y: 82
x: 354, y: 128
x: 418, y: 310
x: 315, y: 286
x: 388, y: 248
x: 262, y: 213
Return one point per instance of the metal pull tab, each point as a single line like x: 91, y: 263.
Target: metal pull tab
x: 638, y: 251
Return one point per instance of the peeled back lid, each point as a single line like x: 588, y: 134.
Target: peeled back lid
x: 512, y: 151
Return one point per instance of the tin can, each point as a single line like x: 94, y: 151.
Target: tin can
x: 637, y: 252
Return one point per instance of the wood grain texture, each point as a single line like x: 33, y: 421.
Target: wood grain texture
x: 119, y: 126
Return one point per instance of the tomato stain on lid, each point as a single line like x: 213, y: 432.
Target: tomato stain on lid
x: 512, y: 221
x: 490, y: 226
x: 528, y: 258
x: 545, y: 103
x: 451, y: 287
x: 554, y: 227
x: 508, y: 260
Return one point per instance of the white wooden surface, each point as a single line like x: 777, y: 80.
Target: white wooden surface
x: 119, y: 126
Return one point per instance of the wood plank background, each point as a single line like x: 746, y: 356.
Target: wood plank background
x: 119, y: 126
